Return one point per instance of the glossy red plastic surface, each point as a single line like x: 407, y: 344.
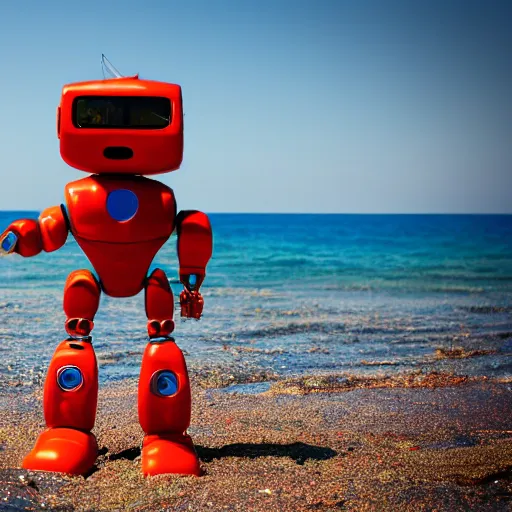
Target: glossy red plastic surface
x: 165, y: 419
x: 54, y: 229
x: 86, y: 202
x: 159, y: 303
x: 121, y: 252
x: 29, y: 237
x: 72, y: 409
x: 121, y: 248
x: 158, y: 414
x: 195, y: 243
x: 154, y: 150
x: 122, y: 268
x: 81, y: 300
x: 63, y: 450
x: 175, y: 454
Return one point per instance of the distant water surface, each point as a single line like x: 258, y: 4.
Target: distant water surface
x: 295, y: 294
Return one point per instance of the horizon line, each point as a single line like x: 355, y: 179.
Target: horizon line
x: 311, y: 213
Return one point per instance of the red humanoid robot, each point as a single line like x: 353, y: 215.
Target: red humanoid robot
x: 119, y: 130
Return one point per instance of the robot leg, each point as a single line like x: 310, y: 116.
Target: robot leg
x: 164, y: 390
x: 71, y: 388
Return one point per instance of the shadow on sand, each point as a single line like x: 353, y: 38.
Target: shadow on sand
x: 299, y: 452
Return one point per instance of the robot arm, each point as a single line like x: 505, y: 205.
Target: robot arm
x: 29, y: 237
x: 194, y: 251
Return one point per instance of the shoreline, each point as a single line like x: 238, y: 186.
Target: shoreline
x: 427, y: 441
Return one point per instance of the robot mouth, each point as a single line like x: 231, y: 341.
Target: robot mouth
x: 118, y: 153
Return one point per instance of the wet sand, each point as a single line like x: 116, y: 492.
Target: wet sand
x: 419, y: 442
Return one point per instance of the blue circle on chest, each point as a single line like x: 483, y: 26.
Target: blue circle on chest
x: 122, y: 204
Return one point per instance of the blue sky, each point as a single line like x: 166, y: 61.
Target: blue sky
x: 290, y: 106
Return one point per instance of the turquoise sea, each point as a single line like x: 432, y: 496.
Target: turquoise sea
x: 294, y: 294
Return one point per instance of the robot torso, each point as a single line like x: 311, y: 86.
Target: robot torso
x: 120, y: 222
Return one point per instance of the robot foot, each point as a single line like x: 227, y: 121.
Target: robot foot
x: 63, y: 450
x: 169, y: 454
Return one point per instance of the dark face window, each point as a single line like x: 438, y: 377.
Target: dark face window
x: 137, y: 112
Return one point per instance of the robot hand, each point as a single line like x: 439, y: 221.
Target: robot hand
x: 191, y: 300
x: 8, y: 241
x: 23, y: 237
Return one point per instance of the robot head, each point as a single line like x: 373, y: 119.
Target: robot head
x: 121, y: 125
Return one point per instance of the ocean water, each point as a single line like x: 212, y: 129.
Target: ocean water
x: 294, y: 295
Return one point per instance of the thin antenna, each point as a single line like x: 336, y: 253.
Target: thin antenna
x: 106, y: 65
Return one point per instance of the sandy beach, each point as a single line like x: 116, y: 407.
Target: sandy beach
x: 342, y: 363
x: 419, y: 441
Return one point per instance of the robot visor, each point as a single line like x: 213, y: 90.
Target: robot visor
x: 121, y: 112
